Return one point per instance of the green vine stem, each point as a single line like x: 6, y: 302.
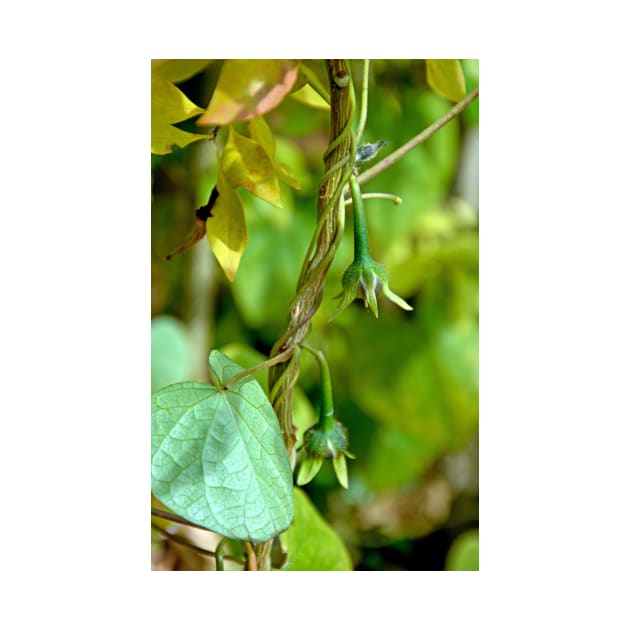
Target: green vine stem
x: 338, y: 160
x: 326, y: 398
x: 361, y: 244
x: 393, y: 198
x: 364, y: 100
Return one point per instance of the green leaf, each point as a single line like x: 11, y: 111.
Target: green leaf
x: 170, y: 105
x: 249, y: 87
x: 246, y: 163
x: 446, y: 77
x: 275, y: 252
x: 171, y: 352
x: 311, y: 543
x: 226, y: 228
x: 217, y: 456
x: 178, y: 70
x: 417, y: 377
x: 464, y: 552
x: 303, y: 413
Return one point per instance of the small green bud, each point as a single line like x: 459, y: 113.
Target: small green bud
x: 321, y: 444
x: 326, y: 444
x: 361, y: 279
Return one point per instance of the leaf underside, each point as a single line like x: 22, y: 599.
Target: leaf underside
x: 218, y: 458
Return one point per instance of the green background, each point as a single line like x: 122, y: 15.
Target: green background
x: 406, y: 385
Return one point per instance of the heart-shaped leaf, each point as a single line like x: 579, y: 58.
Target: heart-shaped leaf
x: 218, y: 458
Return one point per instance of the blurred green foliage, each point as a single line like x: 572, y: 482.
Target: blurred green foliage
x: 406, y: 385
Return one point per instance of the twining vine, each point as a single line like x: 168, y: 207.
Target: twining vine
x: 340, y: 186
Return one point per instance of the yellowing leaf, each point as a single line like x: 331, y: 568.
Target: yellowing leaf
x: 446, y: 77
x: 177, y: 70
x: 260, y: 132
x: 248, y: 88
x: 308, y: 96
x: 287, y: 176
x: 170, y: 105
x: 226, y: 228
x: 246, y: 163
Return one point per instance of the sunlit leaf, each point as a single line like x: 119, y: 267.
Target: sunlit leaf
x: 287, y: 176
x: 446, y: 77
x: 311, y: 543
x: 171, y: 352
x: 246, y: 163
x: 249, y: 87
x: 218, y: 458
x: 262, y: 134
x: 226, y: 228
x: 178, y: 70
x: 170, y: 105
x: 308, y: 96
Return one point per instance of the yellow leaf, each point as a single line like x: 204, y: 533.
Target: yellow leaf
x: 287, y: 176
x: 446, y: 77
x: 170, y: 105
x: 226, y: 228
x: 308, y: 96
x: 260, y: 132
x: 246, y: 163
x: 178, y: 70
x: 248, y: 88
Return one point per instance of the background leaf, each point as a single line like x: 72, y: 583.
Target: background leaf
x: 446, y: 77
x: 171, y: 354
x: 311, y: 543
x: 226, y: 228
x: 464, y: 552
x: 170, y: 105
x: 249, y: 88
x: 178, y: 70
x: 218, y: 458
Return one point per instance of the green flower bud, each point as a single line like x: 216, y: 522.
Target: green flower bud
x: 326, y: 444
x: 321, y: 444
x: 361, y: 279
